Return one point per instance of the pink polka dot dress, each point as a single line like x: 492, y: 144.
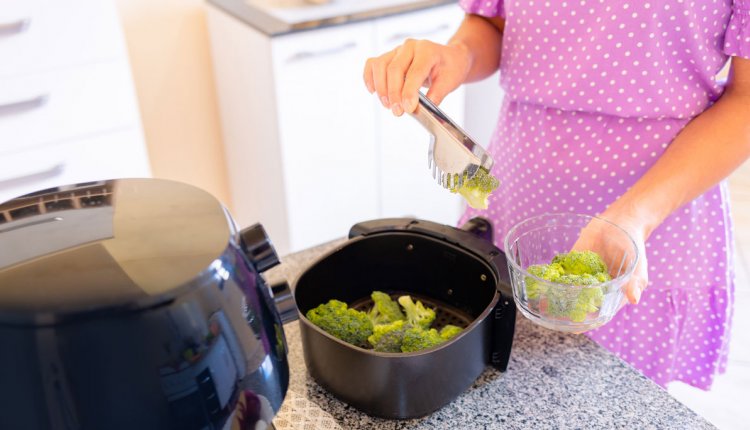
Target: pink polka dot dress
x: 595, y: 92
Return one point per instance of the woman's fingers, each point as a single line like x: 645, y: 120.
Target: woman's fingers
x: 637, y: 283
x: 419, y: 72
x: 375, y: 75
x: 439, y: 88
x: 397, y: 75
x: 367, y: 75
x: 397, y: 70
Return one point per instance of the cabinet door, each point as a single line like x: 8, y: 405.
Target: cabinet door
x: 407, y: 186
x: 41, y: 35
x: 42, y: 108
x: 327, y: 132
x: 118, y: 154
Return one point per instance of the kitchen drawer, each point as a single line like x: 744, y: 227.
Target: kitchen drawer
x: 436, y: 24
x: 40, y: 35
x: 53, y: 106
x: 109, y: 155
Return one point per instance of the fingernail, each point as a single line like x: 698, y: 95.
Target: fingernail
x: 396, y: 109
x: 384, y: 100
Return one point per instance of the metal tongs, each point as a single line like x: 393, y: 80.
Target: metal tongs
x: 453, y: 156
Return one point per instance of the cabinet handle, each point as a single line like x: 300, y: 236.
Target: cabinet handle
x: 33, y: 176
x: 15, y: 27
x: 23, y: 105
x: 398, y: 37
x: 305, y: 55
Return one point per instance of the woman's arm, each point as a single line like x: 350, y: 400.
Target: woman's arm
x: 472, y: 54
x: 482, y: 38
x: 706, y: 151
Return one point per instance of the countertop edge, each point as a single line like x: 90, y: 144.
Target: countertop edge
x: 265, y: 23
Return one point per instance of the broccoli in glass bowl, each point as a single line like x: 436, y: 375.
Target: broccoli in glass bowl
x: 561, y: 288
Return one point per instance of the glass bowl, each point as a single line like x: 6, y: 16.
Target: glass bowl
x: 563, y: 307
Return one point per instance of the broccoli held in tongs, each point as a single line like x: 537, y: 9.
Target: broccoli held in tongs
x: 476, y: 191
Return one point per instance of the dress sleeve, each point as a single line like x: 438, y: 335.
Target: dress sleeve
x: 488, y: 8
x: 737, y: 35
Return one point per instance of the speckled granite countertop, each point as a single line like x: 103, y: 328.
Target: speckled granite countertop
x: 554, y: 381
x: 277, y: 17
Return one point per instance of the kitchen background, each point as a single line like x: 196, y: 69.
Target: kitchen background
x: 270, y: 122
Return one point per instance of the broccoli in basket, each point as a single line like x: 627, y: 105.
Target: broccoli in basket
x: 349, y: 325
x: 389, y: 326
x: 416, y: 313
x: 388, y: 337
x: 384, y: 310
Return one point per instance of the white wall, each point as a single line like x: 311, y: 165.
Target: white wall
x: 168, y: 48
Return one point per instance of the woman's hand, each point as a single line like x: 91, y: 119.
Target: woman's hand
x: 397, y: 75
x: 689, y: 167
x: 593, y: 237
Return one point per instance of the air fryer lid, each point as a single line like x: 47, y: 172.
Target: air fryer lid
x: 119, y: 244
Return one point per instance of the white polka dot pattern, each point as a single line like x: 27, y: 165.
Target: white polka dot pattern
x: 644, y: 58
x: 595, y: 92
x: 737, y: 37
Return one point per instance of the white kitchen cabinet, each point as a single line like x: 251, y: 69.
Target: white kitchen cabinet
x: 325, y: 124
x: 309, y: 151
x: 68, y: 110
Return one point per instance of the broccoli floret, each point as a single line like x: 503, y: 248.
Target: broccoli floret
x: 548, y: 272
x: 385, y: 310
x: 588, y: 299
x: 581, y: 262
x: 477, y: 190
x: 416, y: 313
x: 417, y: 338
x: 388, y: 337
x: 349, y: 325
x: 578, y: 268
x: 578, y: 280
x: 450, y: 331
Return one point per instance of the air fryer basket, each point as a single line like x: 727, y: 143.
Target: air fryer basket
x: 451, y: 270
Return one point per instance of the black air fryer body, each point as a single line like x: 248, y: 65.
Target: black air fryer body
x: 135, y: 304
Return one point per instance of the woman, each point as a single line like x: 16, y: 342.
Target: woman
x: 612, y: 108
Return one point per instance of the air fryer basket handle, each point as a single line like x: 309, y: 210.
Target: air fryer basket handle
x: 479, y: 227
x: 503, y: 327
x: 504, y: 323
